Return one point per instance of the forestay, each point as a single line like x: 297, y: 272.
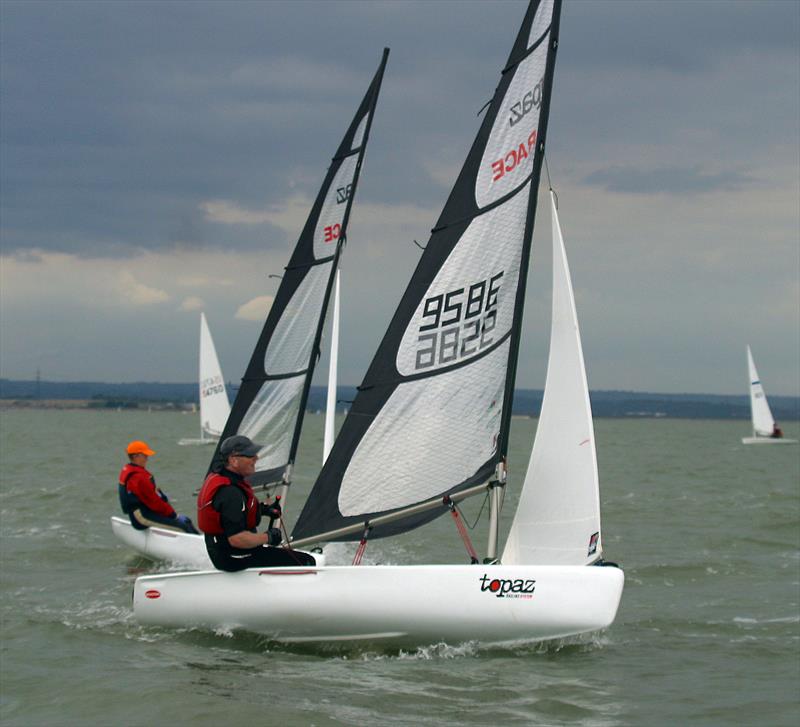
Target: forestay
x: 558, y: 516
x: 271, y: 401
x: 432, y: 415
x: 214, y: 405
x: 763, y: 421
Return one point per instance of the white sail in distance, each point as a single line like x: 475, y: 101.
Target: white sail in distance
x: 558, y: 517
x: 214, y: 404
x: 763, y: 421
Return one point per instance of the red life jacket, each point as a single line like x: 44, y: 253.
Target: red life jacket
x: 127, y: 500
x: 208, y: 519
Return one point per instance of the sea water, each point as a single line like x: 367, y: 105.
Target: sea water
x: 708, y: 632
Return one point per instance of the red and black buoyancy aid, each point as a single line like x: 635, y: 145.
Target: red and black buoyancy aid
x: 127, y: 500
x: 208, y: 519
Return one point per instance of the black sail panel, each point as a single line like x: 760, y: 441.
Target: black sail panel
x: 270, y: 403
x: 431, y: 416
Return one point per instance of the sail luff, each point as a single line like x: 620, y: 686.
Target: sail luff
x: 426, y: 420
x: 330, y: 403
x: 270, y: 403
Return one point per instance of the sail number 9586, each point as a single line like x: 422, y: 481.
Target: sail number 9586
x: 457, y: 324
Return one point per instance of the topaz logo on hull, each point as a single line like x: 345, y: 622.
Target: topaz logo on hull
x: 152, y: 593
x: 508, y: 587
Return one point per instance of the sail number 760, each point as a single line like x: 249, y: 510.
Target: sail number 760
x: 457, y: 324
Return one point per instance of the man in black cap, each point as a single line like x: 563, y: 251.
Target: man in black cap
x: 228, y: 513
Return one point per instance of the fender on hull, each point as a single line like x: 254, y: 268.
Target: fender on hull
x: 403, y: 604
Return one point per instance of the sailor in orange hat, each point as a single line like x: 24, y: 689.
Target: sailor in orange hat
x: 141, y: 500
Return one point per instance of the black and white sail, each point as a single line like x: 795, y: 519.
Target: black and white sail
x: 432, y: 415
x: 271, y: 401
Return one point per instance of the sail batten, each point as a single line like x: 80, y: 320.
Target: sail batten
x: 270, y: 404
x: 431, y: 416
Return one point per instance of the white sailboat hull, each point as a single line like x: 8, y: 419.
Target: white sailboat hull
x: 163, y: 544
x: 768, y: 440
x: 398, y: 604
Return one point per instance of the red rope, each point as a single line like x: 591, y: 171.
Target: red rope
x: 462, y: 529
x: 362, y: 546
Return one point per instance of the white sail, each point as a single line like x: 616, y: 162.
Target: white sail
x: 558, y: 517
x: 330, y: 408
x: 763, y: 421
x: 214, y: 405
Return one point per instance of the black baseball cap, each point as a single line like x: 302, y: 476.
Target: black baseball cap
x: 239, y: 445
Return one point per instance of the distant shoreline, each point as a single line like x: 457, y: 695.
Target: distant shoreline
x: 527, y: 404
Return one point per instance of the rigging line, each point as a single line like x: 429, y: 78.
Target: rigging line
x: 480, y: 512
x: 549, y: 181
x: 462, y: 531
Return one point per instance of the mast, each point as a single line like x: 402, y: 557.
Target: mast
x: 330, y: 405
x: 270, y: 404
x: 431, y: 418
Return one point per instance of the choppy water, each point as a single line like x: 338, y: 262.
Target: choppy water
x: 708, y: 632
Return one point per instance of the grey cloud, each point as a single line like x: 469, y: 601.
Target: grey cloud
x: 667, y: 180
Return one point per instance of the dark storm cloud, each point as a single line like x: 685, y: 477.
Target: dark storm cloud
x: 666, y: 180
x: 120, y: 119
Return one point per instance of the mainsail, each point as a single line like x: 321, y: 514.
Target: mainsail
x: 214, y: 404
x: 763, y: 421
x: 557, y: 521
x: 271, y: 401
x: 432, y: 416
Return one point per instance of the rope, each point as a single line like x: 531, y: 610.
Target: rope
x: 362, y: 546
x: 462, y: 530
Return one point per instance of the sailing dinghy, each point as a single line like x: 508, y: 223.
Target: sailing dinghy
x: 214, y: 405
x: 270, y: 404
x: 765, y: 430
x: 430, y: 427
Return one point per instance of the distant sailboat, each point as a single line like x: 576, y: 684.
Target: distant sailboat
x: 214, y: 405
x: 765, y: 430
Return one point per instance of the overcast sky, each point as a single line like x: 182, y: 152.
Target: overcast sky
x: 159, y: 159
